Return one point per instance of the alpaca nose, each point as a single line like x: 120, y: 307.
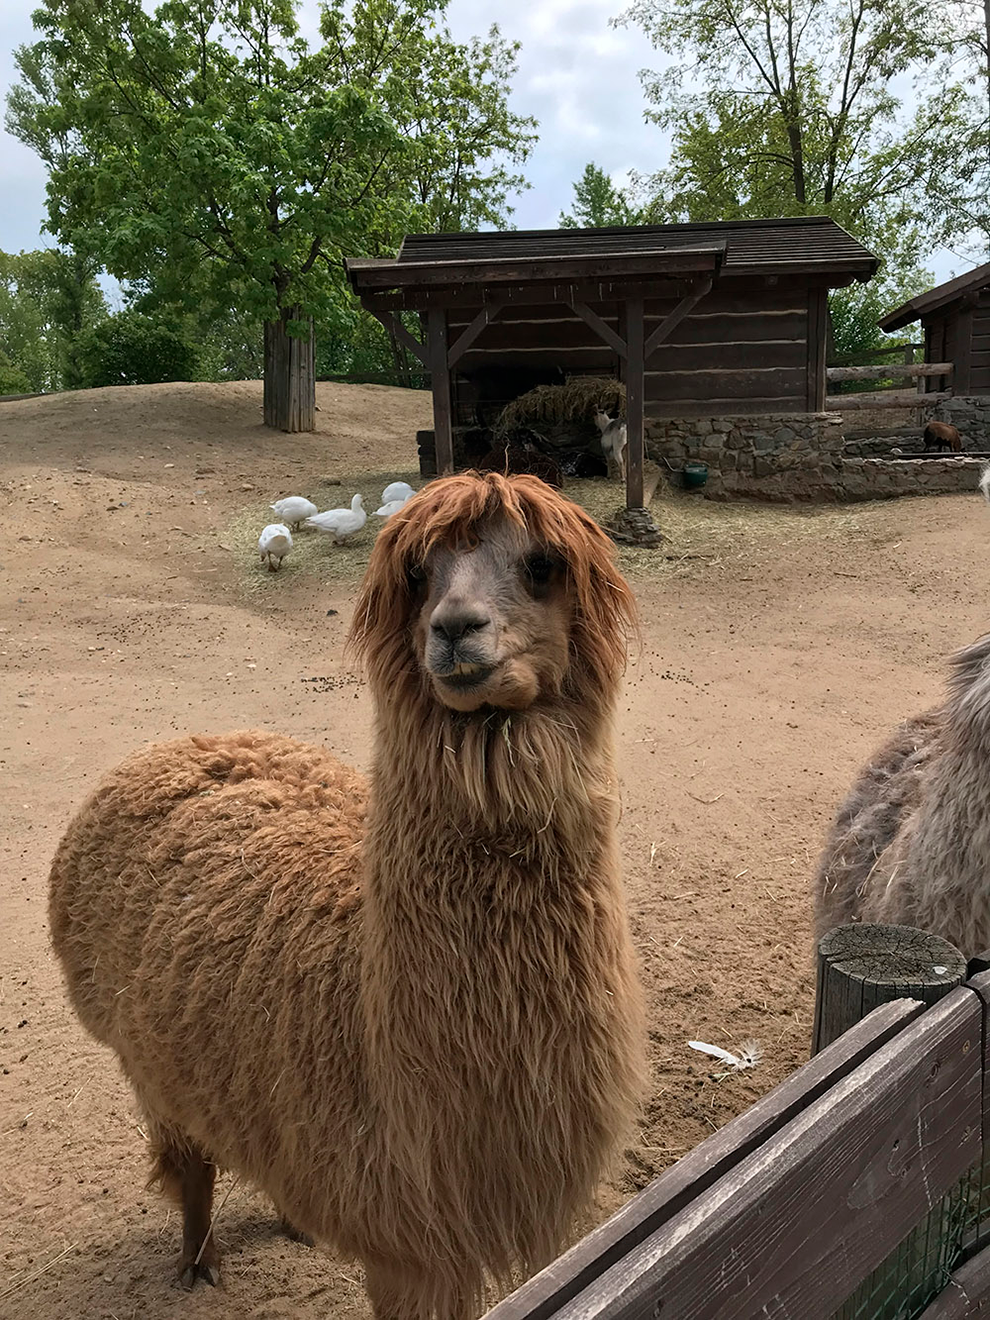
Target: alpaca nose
x: 453, y: 620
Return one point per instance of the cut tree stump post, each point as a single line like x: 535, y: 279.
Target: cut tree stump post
x: 290, y: 374
x: 862, y: 966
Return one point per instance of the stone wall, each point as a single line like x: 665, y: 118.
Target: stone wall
x: 799, y: 457
x: 971, y: 414
x: 776, y: 457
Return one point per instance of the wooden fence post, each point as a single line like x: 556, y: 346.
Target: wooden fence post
x: 862, y: 966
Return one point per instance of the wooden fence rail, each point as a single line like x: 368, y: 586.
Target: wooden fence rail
x: 892, y: 369
x: 883, y: 399
x: 790, y: 1207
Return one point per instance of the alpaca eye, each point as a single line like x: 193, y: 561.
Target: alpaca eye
x: 416, y: 574
x: 539, y: 569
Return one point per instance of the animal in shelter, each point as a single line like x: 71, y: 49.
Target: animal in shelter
x: 274, y: 544
x: 293, y: 510
x: 942, y: 435
x: 911, y: 842
x: 613, y: 434
x: 518, y: 459
x: 340, y: 524
x: 406, y: 1007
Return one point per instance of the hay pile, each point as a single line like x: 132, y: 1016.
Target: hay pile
x: 557, y: 405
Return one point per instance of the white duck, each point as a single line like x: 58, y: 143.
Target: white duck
x: 341, y: 524
x: 398, y: 490
x: 274, y: 543
x: 293, y: 509
x: 393, y: 506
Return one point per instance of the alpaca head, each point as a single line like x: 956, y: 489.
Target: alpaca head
x: 492, y: 591
x: 602, y: 420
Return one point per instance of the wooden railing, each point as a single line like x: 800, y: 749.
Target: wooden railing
x: 919, y: 371
x: 790, y: 1207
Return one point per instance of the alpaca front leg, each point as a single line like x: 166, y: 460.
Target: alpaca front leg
x: 188, y: 1177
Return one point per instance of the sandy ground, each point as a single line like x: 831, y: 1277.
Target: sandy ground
x: 774, y: 657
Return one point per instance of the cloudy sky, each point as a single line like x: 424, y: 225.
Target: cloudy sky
x: 577, y: 76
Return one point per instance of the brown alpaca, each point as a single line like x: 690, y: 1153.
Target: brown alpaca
x: 911, y: 843
x: 407, y: 1010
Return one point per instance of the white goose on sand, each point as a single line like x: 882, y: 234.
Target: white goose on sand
x: 274, y: 543
x: 293, y: 509
x: 341, y: 524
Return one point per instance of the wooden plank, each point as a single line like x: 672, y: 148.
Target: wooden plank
x: 635, y: 392
x: 751, y: 382
x: 893, y: 369
x: 817, y: 336
x: 440, y: 384
x: 667, y: 1195
x: 967, y: 1293
x: 798, y: 1224
x: 712, y: 406
x: 508, y: 270
x: 523, y: 295
x: 881, y: 399
x: 531, y: 341
x: 673, y: 318
x: 601, y: 329
x: 736, y: 297
x: 543, y: 334
x: 393, y: 326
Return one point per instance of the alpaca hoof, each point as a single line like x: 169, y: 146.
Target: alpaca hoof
x: 295, y: 1234
x: 208, y: 1268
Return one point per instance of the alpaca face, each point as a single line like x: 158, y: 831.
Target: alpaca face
x: 493, y: 621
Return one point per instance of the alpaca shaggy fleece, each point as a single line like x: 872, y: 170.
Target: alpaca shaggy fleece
x: 911, y: 842
x: 408, y: 1010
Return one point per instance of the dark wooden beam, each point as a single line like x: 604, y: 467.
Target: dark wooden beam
x: 395, y: 327
x: 635, y: 389
x: 683, y: 308
x: 464, y: 341
x: 600, y: 327
x: 964, y: 351
x: 440, y: 382
x: 817, y: 335
x: 522, y: 295
x: 508, y: 270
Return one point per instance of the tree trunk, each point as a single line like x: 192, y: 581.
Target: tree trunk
x: 290, y: 374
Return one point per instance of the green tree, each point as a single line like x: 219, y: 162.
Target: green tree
x: 131, y: 348
x: 598, y: 203
x: 48, y: 299
x: 12, y: 379
x: 209, y: 151
x: 791, y: 108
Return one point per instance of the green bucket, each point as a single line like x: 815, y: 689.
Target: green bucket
x: 695, y: 475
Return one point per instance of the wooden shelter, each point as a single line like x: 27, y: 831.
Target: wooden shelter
x: 696, y: 319
x: 956, y: 321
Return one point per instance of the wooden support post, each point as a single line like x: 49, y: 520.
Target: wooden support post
x: 635, y: 390
x: 817, y: 335
x: 436, y: 355
x: 862, y: 966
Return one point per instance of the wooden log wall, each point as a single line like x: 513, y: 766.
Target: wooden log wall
x: 979, y: 381
x: 738, y: 352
